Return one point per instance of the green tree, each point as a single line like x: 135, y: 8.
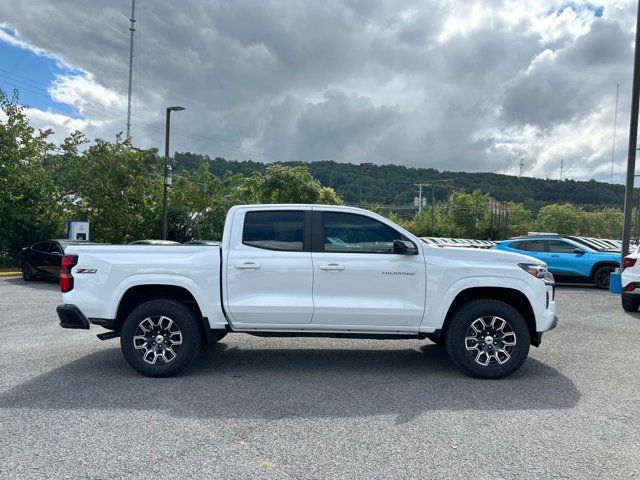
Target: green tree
x: 199, y: 201
x: 519, y: 220
x: 30, y: 208
x: 117, y: 189
x: 605, y: 223
x: 283, y: 184
x: 564, y: 219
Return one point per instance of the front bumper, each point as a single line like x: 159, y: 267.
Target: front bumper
x: 71, y: 317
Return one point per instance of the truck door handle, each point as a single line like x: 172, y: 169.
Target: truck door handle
x: 555, y: 256
x: 331, y: 267
x: 248, y: 266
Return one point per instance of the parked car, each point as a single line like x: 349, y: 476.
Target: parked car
x: 630, y: 280
x: 154, y: 242
x: 44, y: 259
x: 309, y: 270
x: 567, y: 258
x: 202, y: 242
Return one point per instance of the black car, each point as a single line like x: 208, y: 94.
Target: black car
x: 44, y: 258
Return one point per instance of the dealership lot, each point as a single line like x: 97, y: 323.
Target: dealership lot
x: 318, y: 408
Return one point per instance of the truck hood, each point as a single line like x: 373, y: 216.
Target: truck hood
x: 480, y: 255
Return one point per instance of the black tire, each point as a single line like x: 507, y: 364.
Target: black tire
x: 165, y: 364
x: 27, y: 272
x: 630, y: 303
x: 601, y: 276
x: 499, y: 364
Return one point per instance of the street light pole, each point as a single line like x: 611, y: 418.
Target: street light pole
x: 633, y: 142
x: 167, y: 169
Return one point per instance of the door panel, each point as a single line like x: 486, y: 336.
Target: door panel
x: 268, y: 269
x: 563, y: 260
x: 368, y: 289
x: 358, y: 280
x: 54, y: 260
x: 40, y: 257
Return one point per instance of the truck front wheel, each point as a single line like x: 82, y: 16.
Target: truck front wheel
x: 160, y: 338
x: 488, y: 339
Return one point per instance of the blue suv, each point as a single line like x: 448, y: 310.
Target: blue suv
x: 568, y: 258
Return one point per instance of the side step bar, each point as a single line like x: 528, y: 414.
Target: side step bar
x: 108, y: 335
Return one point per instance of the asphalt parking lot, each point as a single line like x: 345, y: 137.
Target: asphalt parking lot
x: 318, y: 408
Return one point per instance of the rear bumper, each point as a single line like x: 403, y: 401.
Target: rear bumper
x: 71, y: 317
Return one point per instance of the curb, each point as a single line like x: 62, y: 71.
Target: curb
x: 10, y: 274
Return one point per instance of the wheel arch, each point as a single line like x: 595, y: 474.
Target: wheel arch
x: 139, y: 294
x: 510, y: 296
x: 602, y: 263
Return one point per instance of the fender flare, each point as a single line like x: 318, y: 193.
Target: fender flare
x: 439, y: 314
x: 208, y: 307
x: 602, y: 263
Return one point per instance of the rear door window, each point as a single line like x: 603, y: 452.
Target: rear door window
x: 274, y: 230
x: 41, y: 247
x: 55, y: 248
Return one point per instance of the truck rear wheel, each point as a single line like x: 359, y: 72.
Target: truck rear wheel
x: 488, y: 339
x: 160, y: 338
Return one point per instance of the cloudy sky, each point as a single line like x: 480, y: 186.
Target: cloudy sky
x: 455, y: 85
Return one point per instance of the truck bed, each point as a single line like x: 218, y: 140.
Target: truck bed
x: 114, y: 269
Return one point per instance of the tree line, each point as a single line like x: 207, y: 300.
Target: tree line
x: 119, y: 191
x: 395, y: 184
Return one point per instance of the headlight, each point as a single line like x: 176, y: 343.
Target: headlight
x: 538, y: 270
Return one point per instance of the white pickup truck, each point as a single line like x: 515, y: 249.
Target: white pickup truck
x: 309, y: 270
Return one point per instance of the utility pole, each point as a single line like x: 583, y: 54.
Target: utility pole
x: 561, y: 167
x: 633, y: 141
x: 433, y: 216
x: 419, y: 185
x: 615, y: 124
x: 362, y: 165
x: 521, y: 164
x: 132, y: 29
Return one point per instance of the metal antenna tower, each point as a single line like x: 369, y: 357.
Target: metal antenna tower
x: 521, y: 165
x: 132, y: 29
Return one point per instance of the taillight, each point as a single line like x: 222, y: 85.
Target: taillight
x: 66, y: 279
x: 628, y: 262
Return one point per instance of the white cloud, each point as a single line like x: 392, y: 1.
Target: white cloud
x: 461, y: 85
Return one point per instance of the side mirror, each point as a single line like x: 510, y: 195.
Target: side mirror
x: 404, y: 247
x: 578, y: 251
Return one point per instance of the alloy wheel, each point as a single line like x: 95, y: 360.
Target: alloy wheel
x: 157, y: 339
x: 602, y: 279
x: 490, y: 340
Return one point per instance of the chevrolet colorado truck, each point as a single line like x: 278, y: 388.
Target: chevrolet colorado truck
x: 308, y: 270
